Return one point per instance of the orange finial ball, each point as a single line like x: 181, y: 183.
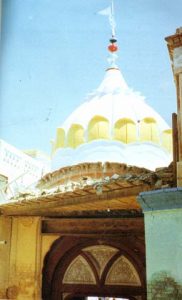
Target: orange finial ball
x: 112, y: 47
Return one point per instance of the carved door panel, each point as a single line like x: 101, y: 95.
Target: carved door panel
x: 98, y: 269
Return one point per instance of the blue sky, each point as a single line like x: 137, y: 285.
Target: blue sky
x: 53, y: 53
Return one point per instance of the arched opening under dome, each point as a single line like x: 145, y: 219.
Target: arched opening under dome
x: 75, y: 136
x: 98, y: 128
x: 149, y: 130
x: 125, y: 131
x: 167, y: 139
x: 60, y: 139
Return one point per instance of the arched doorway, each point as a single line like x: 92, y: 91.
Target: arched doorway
x: 81, y: 268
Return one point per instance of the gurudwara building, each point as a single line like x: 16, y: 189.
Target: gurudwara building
x: 106, y: 221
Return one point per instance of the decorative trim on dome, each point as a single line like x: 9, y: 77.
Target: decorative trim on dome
x: 125, y: 130
x: 141, y: 154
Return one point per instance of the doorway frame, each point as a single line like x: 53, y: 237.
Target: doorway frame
x: 62, y: 253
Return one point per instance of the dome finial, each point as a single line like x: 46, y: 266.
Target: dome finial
x: 109, y: 11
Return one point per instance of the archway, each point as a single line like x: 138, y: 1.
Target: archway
x: 81, y: 268
x: 125, y: 131
x: 75, y: 136
x: 98, y: 128
x: 149, y: 130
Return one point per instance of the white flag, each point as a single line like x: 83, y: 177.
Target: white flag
x: 109, y: 12
x: 105, y: 12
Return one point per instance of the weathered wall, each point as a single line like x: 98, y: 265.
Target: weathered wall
x: 25, y: 259
x: 5, y: 235
x: 163, y: 223
x: 22, y: 253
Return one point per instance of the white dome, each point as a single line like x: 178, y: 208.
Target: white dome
x: 112, y: 102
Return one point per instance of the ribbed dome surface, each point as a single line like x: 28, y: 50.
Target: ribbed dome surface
x: 114, y: 100
x: 114, y: 124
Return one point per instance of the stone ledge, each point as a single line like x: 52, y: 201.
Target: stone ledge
x: 162, y: 199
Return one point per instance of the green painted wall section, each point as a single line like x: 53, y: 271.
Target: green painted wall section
x: 163, y: 239
x: 163, y: 231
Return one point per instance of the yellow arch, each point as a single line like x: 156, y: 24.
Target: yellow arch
x: 75, y: 136
x: 60, y: 138
x: 149, y: 130
x: 125, y: 131
x: 167, y: 139
x: 98, y: 128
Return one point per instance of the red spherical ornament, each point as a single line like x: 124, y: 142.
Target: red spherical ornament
x: 112, y: 48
